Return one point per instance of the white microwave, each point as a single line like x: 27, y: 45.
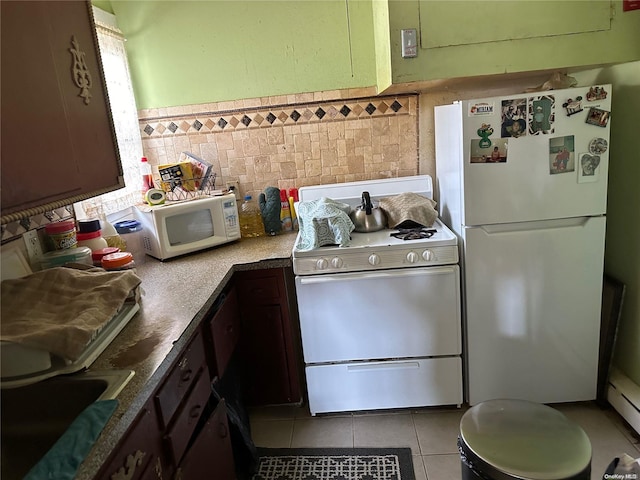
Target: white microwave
x: 179, y: 228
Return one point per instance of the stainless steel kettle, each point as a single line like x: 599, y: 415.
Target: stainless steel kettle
x: 367, y: 218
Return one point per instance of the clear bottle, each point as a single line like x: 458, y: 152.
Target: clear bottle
x: 251, y: 224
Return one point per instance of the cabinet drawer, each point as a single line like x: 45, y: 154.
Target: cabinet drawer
x: 419, y: 382
x: 210, y: 455
x: 138, y: 456
x: 264, y: 287
x: 180, y: 379
x: 225, y: 331
x: 180, y: 433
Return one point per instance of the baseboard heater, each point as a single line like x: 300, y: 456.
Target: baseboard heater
x: 624, y: 395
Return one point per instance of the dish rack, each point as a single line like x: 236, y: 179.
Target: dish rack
x: 189, y: 178
x: 188, y: 188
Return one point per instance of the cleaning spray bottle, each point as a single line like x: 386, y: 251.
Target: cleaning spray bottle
x: 285, y: 213
x: 293, y: 197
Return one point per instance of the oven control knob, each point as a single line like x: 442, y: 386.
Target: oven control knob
x: 336, y: 262
x: 321, y: 264
x: 374, y: 259
x: 412, y: 257
x: 428, y: 255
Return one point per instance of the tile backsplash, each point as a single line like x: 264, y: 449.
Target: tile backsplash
x: 290, y: 141
x: 14, y: 230
x: 286, y: 141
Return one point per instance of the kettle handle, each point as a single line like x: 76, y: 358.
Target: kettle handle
x: 366, y: 203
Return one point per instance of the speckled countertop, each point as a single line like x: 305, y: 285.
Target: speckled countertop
x: 176, y: 295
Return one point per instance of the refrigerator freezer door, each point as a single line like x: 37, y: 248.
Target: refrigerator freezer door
x: 533, y: 299
x: 527, y: 186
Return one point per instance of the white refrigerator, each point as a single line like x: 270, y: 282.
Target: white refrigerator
x: 522, y: 181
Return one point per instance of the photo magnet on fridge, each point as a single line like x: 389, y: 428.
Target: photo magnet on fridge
x: 480, y: 109
x: 561, y: 154
x: 588, y: 171
x: 484, y: 132
x: 573, y: 106
x: 496, y: 153
x: 541, y: 114
x: 598, y: 146
x: 596, y: 93
x: 514, y: 118
x: 598, y: 117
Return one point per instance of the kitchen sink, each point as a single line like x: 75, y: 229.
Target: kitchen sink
x: 35, y: 416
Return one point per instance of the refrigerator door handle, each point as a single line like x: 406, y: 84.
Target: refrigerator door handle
x: 537, y: 225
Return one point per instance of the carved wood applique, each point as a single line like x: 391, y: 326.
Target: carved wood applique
x: 81, y: 75
x: 129, y: 469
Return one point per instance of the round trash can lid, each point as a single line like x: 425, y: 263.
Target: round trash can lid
x: 525, y: 440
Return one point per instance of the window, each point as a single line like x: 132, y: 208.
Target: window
x: 125, y: 119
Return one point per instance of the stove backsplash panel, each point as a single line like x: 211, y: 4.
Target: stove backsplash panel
x: 290, y: 141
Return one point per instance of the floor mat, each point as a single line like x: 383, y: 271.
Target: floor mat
x: 335, y: 464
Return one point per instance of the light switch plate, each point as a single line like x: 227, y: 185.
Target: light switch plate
x: 409, y: 43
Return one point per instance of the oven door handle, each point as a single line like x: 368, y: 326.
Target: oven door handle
x: 405, y: 272
x: 383, y: 366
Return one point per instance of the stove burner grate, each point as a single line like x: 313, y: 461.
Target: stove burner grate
x: 414, y: 233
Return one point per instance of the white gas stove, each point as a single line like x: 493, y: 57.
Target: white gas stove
x: 380, y: 318
x: 379, y: 250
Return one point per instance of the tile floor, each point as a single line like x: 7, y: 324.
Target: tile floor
x: 431, y: 433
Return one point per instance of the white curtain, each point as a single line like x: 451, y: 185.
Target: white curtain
x: 125, y: 119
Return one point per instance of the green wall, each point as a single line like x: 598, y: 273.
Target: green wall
x: 103, y: 4
x: 382, y: 43
x: 189, y: 52
x: 622, y: 250
x: 186, y: 52
x: 619, y: 44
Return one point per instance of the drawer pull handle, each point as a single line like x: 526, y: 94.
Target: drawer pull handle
x: 184, y: 363
x: 186, y: 376
x: 222, y: 430
x: 195, y: 411
x: 383, y: 366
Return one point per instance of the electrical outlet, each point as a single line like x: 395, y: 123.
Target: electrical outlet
x: 34, y: 249
x: 235, y: 186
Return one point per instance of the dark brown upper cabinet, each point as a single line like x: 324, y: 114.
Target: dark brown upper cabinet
x: 58, y: 142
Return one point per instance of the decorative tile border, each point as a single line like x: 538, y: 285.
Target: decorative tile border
x: 272, y: 116
x: 14, y: 230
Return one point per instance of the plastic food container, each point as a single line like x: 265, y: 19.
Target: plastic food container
x: 58, y: 258
x: 98, y: 255
x: 118, y: 261
x: 88, y: 226
x: 62, y: 235
x: 128, y: 226
x: 93, y: 240
x: 132, y: 233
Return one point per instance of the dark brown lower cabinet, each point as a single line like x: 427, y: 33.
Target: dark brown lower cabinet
x: 210, y: 455
x: 250, y: 338
x: 176, y: 436
x: 139, y: 456
x: 223, y: 332
x: 268, y: 345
